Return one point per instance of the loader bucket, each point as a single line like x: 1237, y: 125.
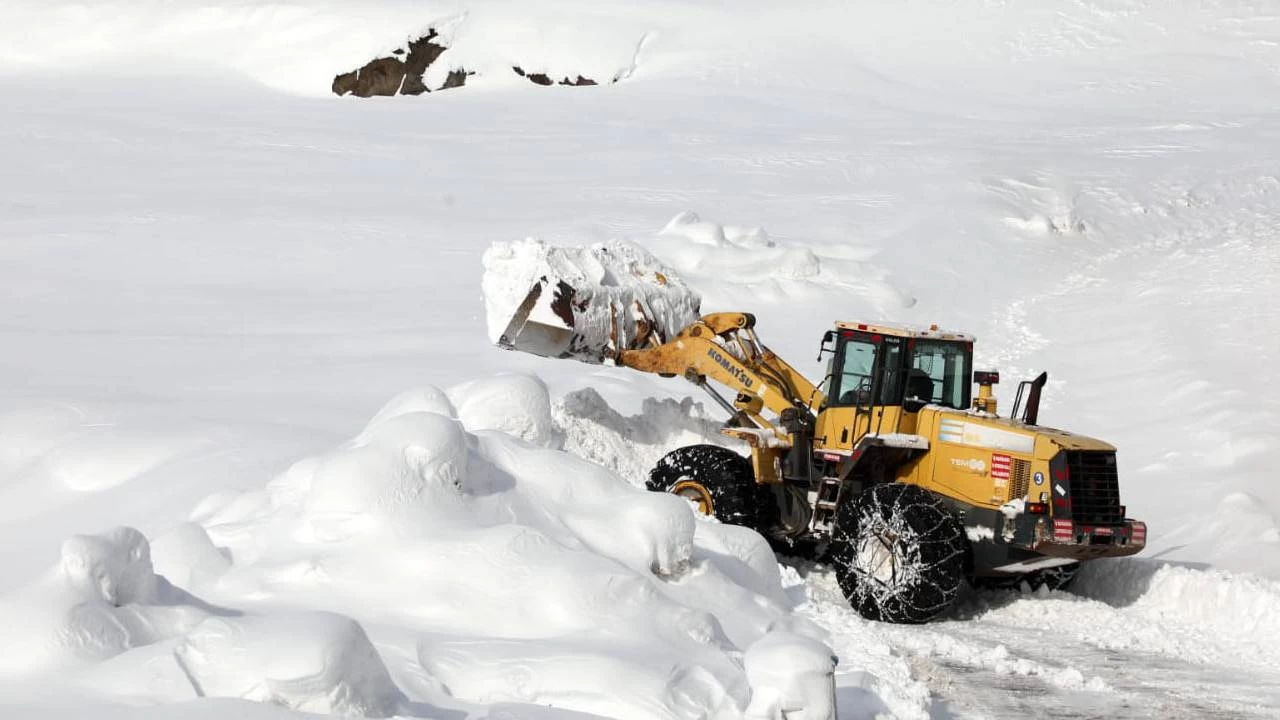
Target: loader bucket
x: 543, y: 323
x: 588, y: 304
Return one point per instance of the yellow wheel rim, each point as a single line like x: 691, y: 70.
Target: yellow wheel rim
x: 695, y: 492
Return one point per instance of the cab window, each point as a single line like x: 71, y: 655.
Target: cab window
x: 939, y: 373
x: 852, y: 379
x: 868, y: 368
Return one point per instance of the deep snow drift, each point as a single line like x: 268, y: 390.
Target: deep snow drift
x: 490, y: 566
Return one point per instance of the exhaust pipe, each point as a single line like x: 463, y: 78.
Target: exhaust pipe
x: 1032, y: 413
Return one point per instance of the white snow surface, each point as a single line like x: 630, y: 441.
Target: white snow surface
x: 491, y: 570
x: 213, y: 273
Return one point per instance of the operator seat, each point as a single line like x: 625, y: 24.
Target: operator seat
x: 919, y: 386
x: 859, y: 394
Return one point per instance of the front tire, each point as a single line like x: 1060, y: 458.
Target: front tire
x: 899, y: 554
x: 719, y: 481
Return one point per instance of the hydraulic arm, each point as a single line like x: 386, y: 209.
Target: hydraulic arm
x: 739, y: 361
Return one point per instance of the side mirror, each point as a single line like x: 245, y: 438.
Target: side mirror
x: 827, y: 338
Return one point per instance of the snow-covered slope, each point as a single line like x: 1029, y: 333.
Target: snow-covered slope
x: 450, y: 553
x: 211, y: 269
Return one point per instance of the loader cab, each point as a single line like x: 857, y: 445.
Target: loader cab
x: 879, y: 376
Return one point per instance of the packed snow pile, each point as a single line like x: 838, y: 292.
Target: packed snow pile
x: 1163, y: 602
x: 101, y: 599
x: 798, y: 673
x: 531, y: 419
x: 311, y: 661
x: 104, y: 610
x: 449, y: 541
x: 744, y: 267
x: 1241, y: 532
x: 631, y: 445
x: 585, y: 303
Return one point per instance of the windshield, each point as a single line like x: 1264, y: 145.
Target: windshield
x: 939, y: 373
x: 853, y: 381
x: 864, y: 368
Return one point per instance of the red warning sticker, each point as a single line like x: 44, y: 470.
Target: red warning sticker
x: 1000, y: 466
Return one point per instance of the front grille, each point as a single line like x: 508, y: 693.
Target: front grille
x: 1095, y: 487
x: 1020, y: 473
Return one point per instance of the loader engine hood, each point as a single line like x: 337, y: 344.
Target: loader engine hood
x: 983, y: 430
x: 1064, y: 440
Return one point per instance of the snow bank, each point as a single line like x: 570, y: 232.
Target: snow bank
x: 102, y: 599
x: 497, y: 568
x: 423, y: 399
x: 1241, y: 534
x: 313, y: 662
x: 608, y: 296
x: 747, y: 268
x: 114, y: 567
x: 402, y: 470
x: 632, y: 445
x: 517, y: 405
x: 792, y: 676
x: 741, y: 256
x: 308, y: 661
x: 1172, y: 609
x: 185, y: 556
x: 874, y: 676
x: 689, y: 227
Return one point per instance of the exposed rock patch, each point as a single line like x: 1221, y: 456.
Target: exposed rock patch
x: 401, y: 74
x: 544, y: 79
x: 457, y: 78
x: 535, y: 78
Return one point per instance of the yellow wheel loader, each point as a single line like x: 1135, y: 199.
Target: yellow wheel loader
x: 887, y: 469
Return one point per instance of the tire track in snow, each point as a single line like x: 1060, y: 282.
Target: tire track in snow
x: 1012, y: 655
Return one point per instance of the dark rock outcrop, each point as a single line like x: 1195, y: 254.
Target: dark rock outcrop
x: 457, y: 78
x: 402, y: 73
x: 345, y: 83
x: 422, y: 52
x: 544, y: 79
x: 380, y: 77
x: 392, y: 75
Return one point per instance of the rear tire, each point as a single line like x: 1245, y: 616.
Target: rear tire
x: 899, y: 554
x: 720, y: 481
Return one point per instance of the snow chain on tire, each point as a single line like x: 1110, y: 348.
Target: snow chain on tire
x: 719, y: 474
x: 899, y: 553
